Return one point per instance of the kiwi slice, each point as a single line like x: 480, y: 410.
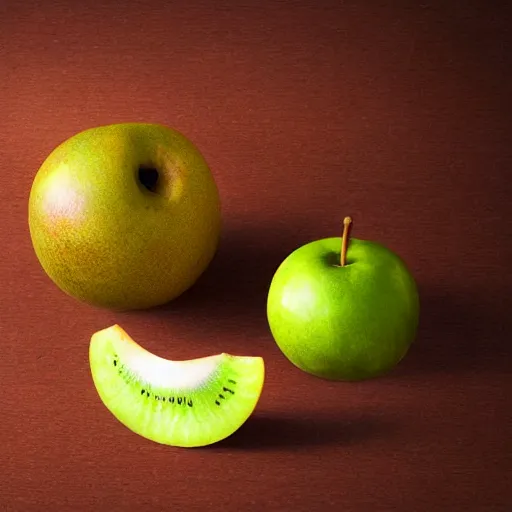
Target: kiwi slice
x: 178, y: 403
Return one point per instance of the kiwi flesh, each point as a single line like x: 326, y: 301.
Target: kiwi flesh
x: 179, y: 403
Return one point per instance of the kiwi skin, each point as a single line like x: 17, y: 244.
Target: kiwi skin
x: 178, y: 403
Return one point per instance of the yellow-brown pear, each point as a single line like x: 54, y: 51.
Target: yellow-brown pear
x: 125, y: 216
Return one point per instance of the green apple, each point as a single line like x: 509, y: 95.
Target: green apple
x: 343, y: 311
x: 125, y: 216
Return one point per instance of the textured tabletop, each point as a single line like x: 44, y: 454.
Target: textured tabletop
x: 306, y: 112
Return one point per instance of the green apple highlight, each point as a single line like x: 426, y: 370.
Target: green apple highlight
x: 125, y: 216
x: 343, y: 310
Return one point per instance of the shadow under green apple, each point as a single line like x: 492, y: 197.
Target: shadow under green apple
x: 460, y: 331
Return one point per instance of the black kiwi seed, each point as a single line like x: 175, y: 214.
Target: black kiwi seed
x: 228, y: 390
x: 171, y: 399
x: 189, y: 403
x: 231, y: 381
x: 217, y: 402
x: 115, y: 362
x: 222, y: 396
x: 179, y: 400
x: 142, y: 391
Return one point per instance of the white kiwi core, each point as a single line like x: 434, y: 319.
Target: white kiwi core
x: 164, y: 373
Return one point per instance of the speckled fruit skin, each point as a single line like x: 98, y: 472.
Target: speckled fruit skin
x: 343, y: 323
x: 105, y: 239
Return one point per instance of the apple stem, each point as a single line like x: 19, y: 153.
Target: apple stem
x: 347, y: 224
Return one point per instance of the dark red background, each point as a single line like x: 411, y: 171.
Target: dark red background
x: 306, y: 112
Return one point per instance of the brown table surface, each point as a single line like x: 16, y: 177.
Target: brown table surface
x: 306, y: 112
